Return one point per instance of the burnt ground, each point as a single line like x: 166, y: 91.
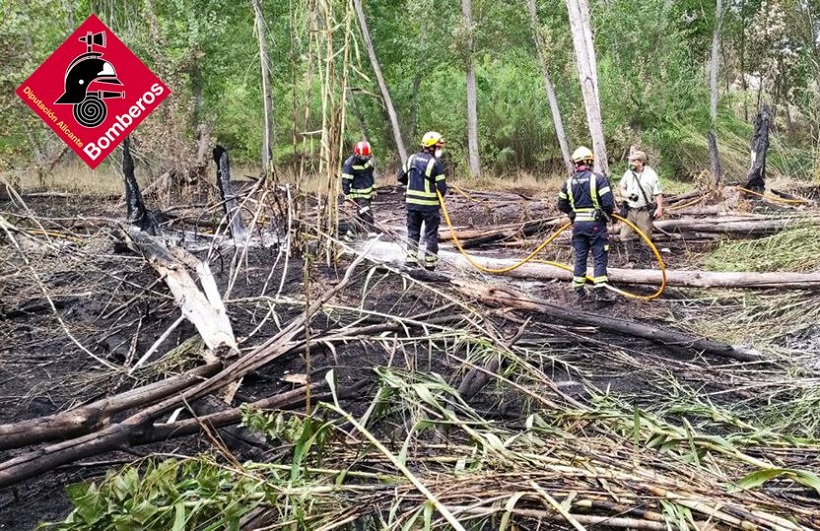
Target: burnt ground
x: 114, y: 305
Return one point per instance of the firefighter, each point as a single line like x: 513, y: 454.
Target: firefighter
x: 587, y: 199
x: 424, y: 175
x: 357, y: 184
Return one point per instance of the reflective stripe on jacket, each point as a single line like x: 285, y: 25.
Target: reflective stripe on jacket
x: 423, y: 174
x: 357, y: 178
x: 584, y: 193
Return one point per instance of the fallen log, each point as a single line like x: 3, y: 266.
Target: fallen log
x: 205, y: 311
x: 512, y: 299
x: 674, y: 278
x: 747, y: 226
x: 503, y: 231
x: 91, y: 417
x: 386, y: 251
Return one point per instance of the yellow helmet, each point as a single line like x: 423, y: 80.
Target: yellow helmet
x: 431, y: 138
x: 582, y: 154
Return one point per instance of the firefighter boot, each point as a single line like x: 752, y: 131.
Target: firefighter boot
x: 579, y: 294
x: 602, y: 294
x: 411, y: 260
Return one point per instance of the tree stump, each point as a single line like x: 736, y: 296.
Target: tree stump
x: 756, y: 177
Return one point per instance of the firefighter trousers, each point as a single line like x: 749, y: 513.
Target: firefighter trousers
x: 431, y: 220
x: 364, y: 214
x: 590, y: 236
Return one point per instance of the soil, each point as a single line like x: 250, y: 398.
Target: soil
x: 115, y: 307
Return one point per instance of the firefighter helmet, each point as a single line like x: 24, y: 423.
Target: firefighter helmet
x: 362, y: 150
x: 81, y: 72
x: 431, y: 139
x: 582, y: 154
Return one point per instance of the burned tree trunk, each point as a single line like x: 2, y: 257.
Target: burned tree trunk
x: 136, y: 213
x: 756, y: 178
x: 223, y: 181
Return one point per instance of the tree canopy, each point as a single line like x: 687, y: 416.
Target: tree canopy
x: 652, y: 61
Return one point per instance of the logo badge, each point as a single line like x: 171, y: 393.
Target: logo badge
x: 92, y: 91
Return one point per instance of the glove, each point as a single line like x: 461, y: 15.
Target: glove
x: 571, y: 217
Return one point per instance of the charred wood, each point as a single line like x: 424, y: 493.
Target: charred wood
x: 756, y: 177
x: 512, y: 299
x: 223, y: 181
x: 136, y: 213
x: 205, y: 311
x: 90, y: 417
x: 138, y: 426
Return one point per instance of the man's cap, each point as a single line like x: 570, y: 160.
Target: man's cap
x: 638, y: 155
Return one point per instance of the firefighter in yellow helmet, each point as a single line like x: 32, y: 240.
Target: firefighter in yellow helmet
x: 423, y: 174
x: 588, y: 201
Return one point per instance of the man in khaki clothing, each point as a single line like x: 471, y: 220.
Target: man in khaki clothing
x: 641, y: 189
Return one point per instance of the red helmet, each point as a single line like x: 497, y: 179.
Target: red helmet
x: 362, y: 150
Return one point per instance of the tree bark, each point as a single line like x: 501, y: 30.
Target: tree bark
x: 670, y: 338
x: 714, y: 157
x: 553, y: 101
x: 651, y: 277
x: 472, y: 103
x: 756, y: 177
x: 713, y: 93
x: 267, y: 98
x: 232, y: 209
x: 135, y: 211
x: 588, y: 76
x: 205, y: 311
x: 388, y: 101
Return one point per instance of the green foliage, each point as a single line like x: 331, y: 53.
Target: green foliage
x: 758, y: 478
x: 651, y: 60
x: 790, y: 250
x: 171, y: 494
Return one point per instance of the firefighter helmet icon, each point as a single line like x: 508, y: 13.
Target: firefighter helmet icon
x: 89, y: 107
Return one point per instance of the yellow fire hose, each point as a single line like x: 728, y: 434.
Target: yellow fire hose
x: 533, y: 254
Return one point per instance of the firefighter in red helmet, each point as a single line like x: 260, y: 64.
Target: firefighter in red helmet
x: 357, y: 184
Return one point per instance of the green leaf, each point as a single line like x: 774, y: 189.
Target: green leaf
x: 758, y: 478
x: 143, y: 511
x: 90, y: 505
x: 179, y: 516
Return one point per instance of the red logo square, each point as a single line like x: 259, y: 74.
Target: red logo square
x: 93, y: 91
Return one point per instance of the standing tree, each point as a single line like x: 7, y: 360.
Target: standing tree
x: 588, y: 76
x: 388, y: 102
x: 472, y: 112
x: 540, y: 47
x: 267, y: 99
x: 713, y: 91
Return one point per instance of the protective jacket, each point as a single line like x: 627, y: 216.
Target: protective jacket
x: 587, y: 198
x: 585, y: 195
x: 423, y: 174
x: 357, y: 178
